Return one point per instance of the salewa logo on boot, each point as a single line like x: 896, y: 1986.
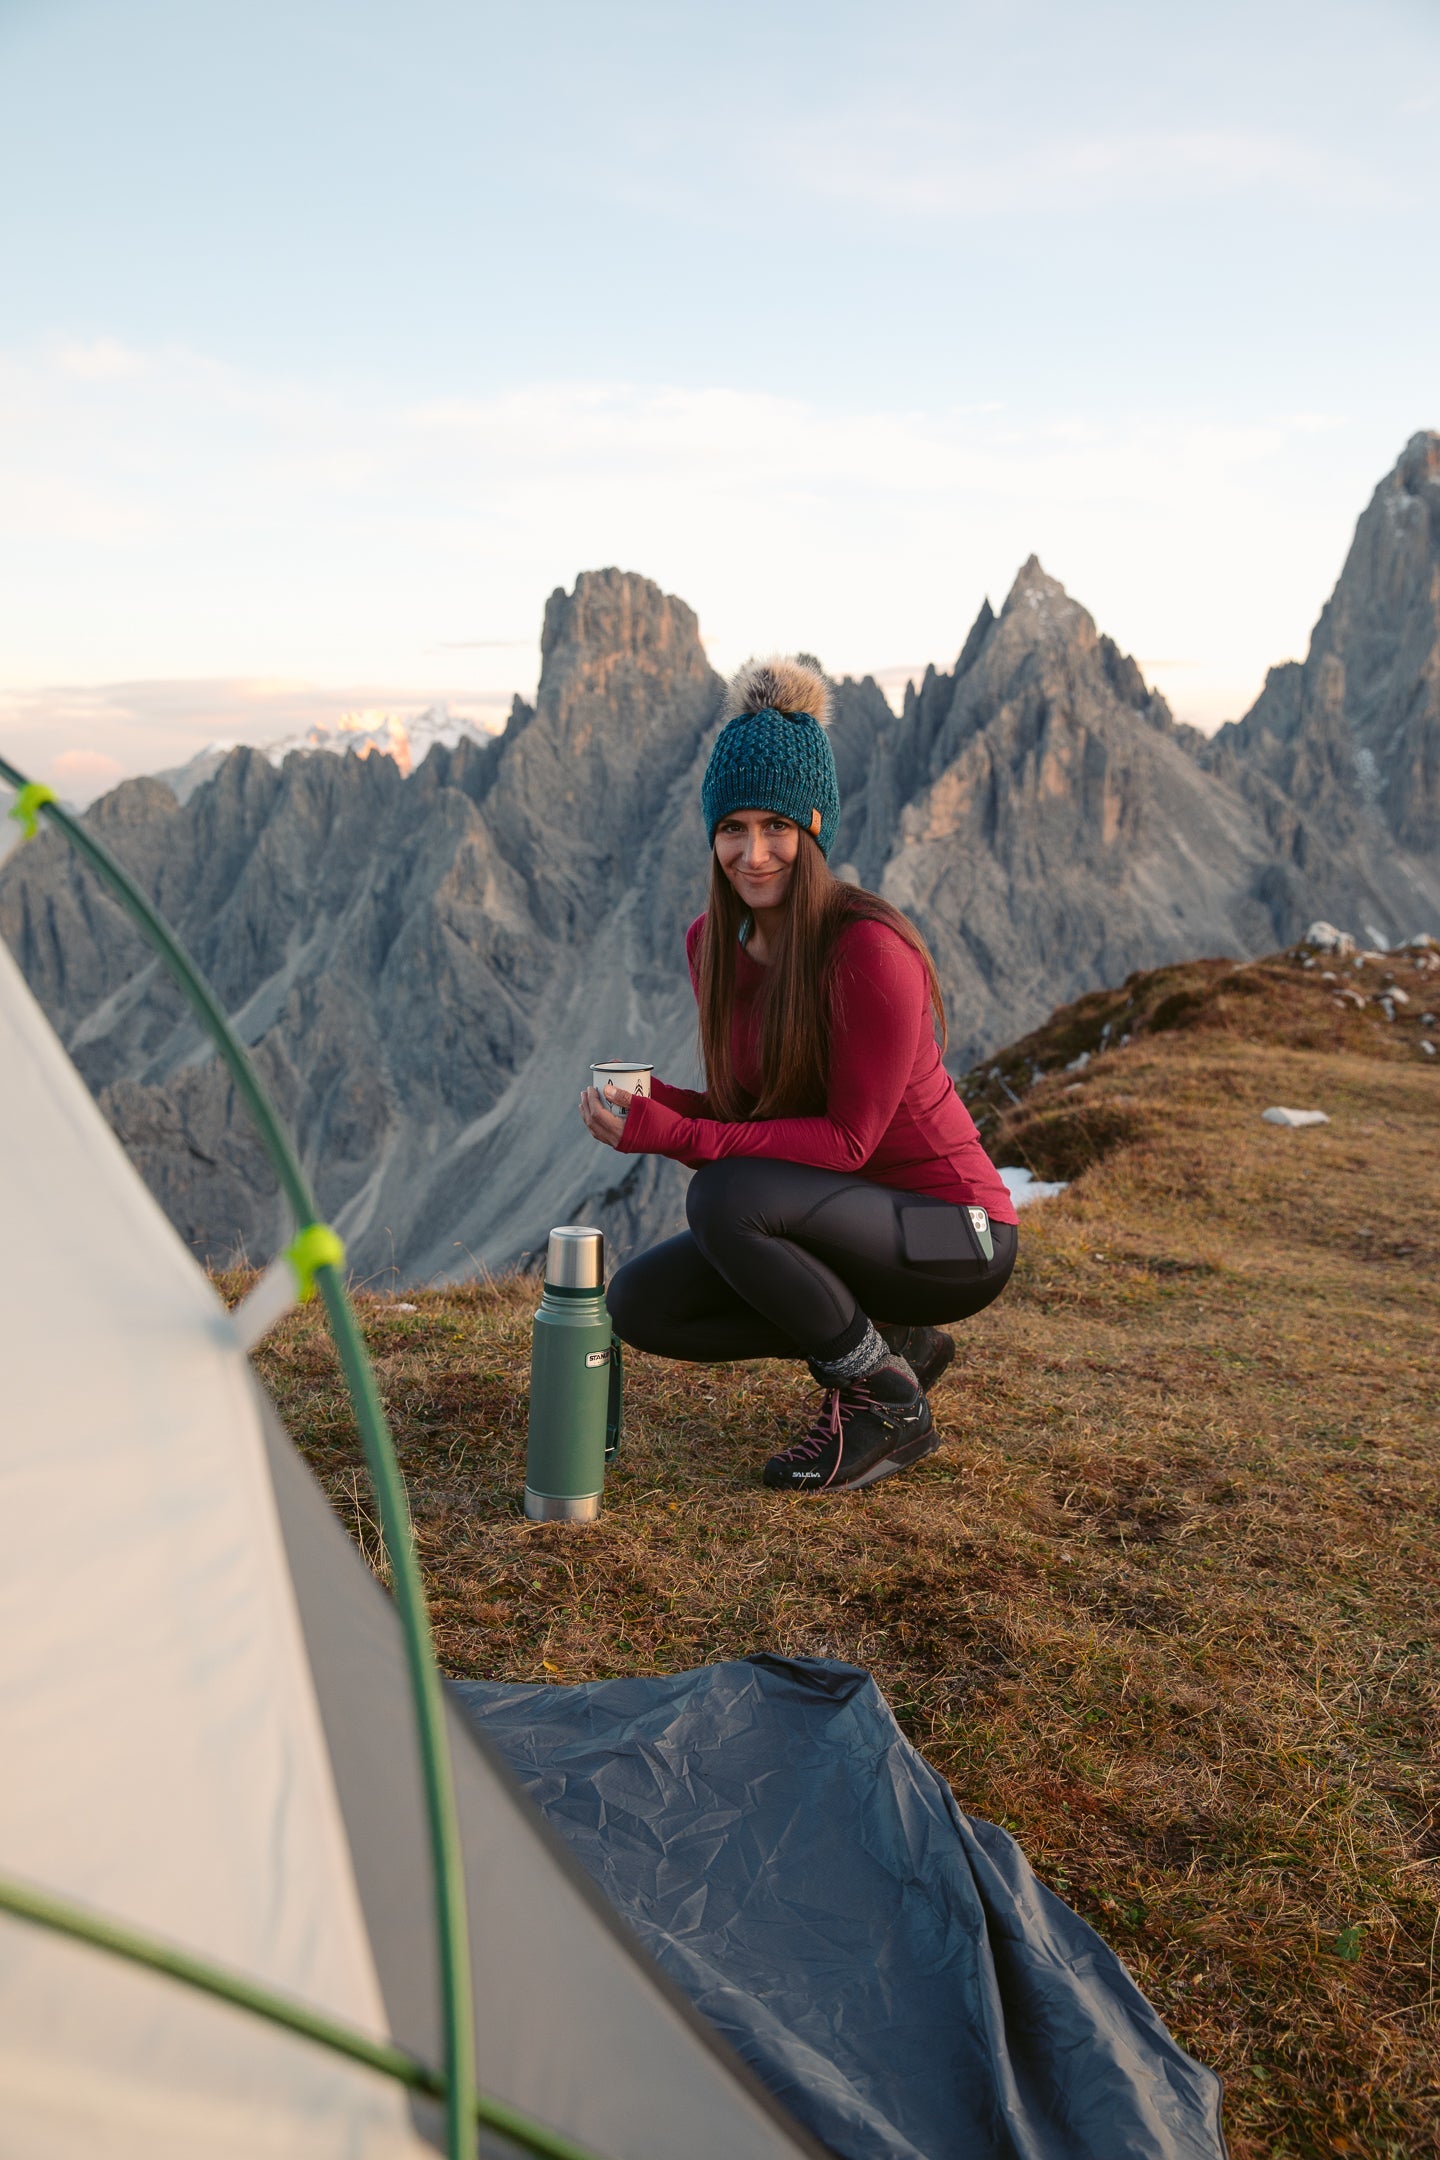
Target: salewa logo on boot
x: 854, y: 1439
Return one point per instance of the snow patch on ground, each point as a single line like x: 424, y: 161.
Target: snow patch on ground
x: 1023, y: 1186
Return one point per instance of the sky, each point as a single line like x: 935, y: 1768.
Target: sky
x: 336, y: 334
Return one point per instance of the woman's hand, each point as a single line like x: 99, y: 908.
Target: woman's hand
x: 604, y: 1115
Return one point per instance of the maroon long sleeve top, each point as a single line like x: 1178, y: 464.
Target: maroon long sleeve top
x: 891, y: 1110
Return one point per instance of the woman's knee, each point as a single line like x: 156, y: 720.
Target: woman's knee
x: 650, y: 1297
x: 724, y: 1194
x: 630, y: 1302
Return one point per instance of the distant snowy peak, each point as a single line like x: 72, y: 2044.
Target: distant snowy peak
x: 383, y: 734
x: 370, y: 733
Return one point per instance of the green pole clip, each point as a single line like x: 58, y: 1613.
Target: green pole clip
x: 27, y: 804
x: 317, y: 1246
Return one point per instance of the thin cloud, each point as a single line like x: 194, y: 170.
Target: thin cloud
x: 82, y: 773
x: 1081, y: 172
x: 102, y: 360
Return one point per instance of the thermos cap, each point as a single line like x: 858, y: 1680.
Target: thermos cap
x: 575, y: 1258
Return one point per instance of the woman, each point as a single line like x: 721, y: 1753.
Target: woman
x: 842, y: 1203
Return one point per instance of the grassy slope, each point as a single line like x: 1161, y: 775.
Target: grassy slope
x: 1164, y: 1606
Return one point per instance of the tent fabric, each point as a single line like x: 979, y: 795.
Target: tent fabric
x: 891, y: 1967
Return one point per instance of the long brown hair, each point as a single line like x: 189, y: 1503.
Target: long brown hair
x: 796, y: 1001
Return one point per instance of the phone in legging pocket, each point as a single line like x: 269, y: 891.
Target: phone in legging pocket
x: 947, y: 1237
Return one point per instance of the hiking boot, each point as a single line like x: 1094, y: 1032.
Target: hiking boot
x: 925, y: 1350
x: 861, y: 1432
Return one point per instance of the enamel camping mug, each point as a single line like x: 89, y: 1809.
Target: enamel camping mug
x: 635, y: 1079
x: 575, y: 1382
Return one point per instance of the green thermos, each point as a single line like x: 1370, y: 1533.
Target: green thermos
x: 575, y: 1382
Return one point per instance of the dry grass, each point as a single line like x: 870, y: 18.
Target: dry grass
x: 1164, y: 1606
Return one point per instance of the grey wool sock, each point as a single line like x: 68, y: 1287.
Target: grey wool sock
x: 869, y: 1354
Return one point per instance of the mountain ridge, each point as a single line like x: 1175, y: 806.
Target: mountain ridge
x: 425, y: 965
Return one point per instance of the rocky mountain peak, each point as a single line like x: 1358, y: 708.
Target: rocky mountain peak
x: 625, y: 696
x: 1419, y: 465
x: 1035, y: 728
x: 1041, y: 604
x: 979, y: 630
x: 1044, y: 646
x: 622, y: 672
x: 615, y: 612
x: 1344, y: 748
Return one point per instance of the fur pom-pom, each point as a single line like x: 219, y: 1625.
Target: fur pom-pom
x: 788, y: 685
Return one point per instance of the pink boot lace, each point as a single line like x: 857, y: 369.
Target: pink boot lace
x: 828, y: 1424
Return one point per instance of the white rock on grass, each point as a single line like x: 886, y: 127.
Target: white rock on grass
x: 1324, y: 937
x: 1281, y: 1116
x: 1023, y: 1186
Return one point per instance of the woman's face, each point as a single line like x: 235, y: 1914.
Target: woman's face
x: 756, y: 849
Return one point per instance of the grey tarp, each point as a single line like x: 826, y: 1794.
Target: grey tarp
x: 890, y: 1967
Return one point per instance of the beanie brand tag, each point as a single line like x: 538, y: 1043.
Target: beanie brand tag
x: 815, y: 824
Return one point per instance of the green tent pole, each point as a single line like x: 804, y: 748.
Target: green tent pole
x: 80, y: 1925
x: 457, y: 1994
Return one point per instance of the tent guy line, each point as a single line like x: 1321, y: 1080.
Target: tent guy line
x: 457, y: 1992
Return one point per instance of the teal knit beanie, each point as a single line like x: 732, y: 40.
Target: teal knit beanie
x: 775, y: 754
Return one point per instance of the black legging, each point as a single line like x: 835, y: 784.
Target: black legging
x: 783, y: 1260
